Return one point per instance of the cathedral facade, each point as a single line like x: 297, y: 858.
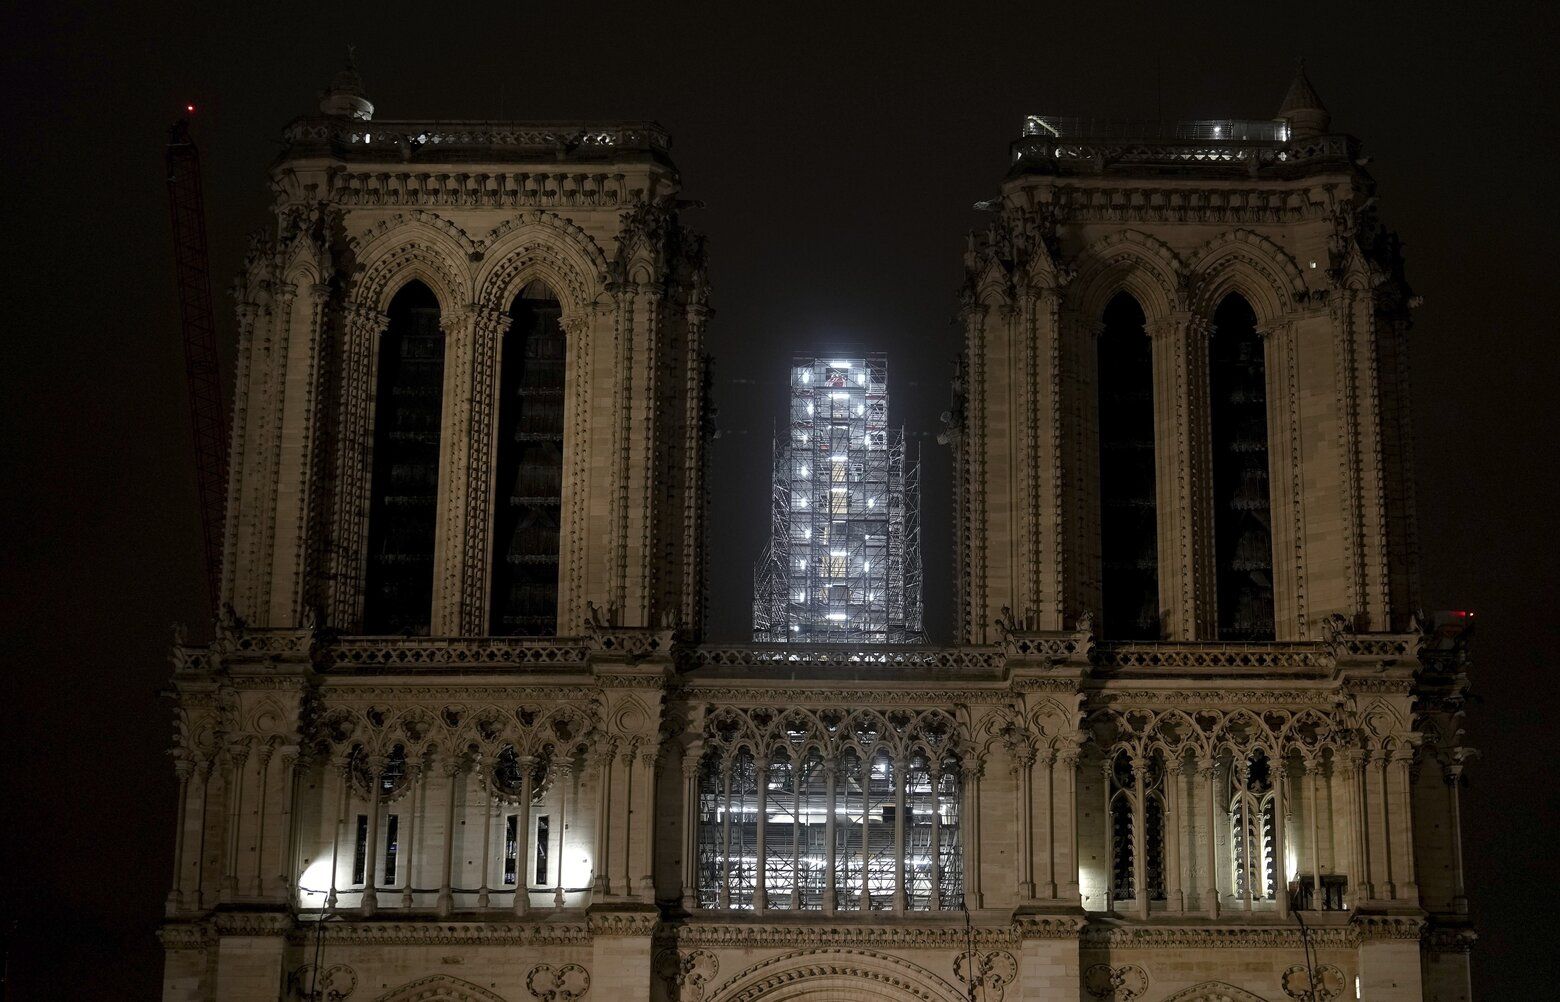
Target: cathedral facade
x: 459, y: 736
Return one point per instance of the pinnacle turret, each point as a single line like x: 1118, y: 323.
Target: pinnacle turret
x: 345, y: 97
x: 1303, y: 108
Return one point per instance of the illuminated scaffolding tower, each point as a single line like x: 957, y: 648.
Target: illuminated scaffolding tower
x: 843, y: 562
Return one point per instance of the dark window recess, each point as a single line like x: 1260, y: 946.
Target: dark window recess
x: 542, y: 830
x: 1334, y: 886
x: 511, y: 850
x: 398, y: 585
x: 529, y: 472
x: 1129, y: 533
x: 360, y: 851
x: 1242, y: 513
x: 392, y: 847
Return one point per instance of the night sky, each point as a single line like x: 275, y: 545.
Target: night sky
x: 838, y: 154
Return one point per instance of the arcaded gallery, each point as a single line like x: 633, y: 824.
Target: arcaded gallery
x: 461, y: 734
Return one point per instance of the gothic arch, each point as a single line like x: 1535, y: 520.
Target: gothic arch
x: 837, y: 973
x: 1248, y: 263
x: 1214, y: 991
x: 414, y: 249
x: 544, y: 245
x: 1133, y: 262
x: 439, y: 988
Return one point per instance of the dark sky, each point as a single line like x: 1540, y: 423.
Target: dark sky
x: 838, y: 150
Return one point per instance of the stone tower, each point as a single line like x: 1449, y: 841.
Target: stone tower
x: 457, y: 738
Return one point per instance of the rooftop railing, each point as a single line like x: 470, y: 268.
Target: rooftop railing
x: 1051, y: 143
x: 429, y: 139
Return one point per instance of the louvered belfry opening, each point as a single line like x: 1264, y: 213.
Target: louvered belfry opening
x: 398, y: 589
x: 528, y: 508
x: 1243, y: 525
x: 1129, y: 536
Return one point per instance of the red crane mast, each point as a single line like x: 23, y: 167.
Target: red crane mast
x: 208, y: 409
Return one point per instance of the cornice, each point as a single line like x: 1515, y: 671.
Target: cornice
x: 547, y: 932
x: 750, y: 935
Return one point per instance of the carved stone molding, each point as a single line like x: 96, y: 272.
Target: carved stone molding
x: 185, y: 936
x: 1213, y: 937
x: 839, y: 968
x: 253, y: 924
x: 1372, y: 927
x: 623, y: 923
x: 753, y: 936
x: 434, y: 933
x: 1048, y: 926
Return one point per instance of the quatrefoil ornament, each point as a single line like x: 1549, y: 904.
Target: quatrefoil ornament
x: 557, y: 984
x: 1328, y: 983
x: 312, y: 983
x: 1119, y: 984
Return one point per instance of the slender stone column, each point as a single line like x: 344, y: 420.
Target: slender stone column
x: 866, y: 836
x: 1209, y: 767
x: 238, y: 755
x: 522, y: 902
x: 415, y: 826
x: 650, y: 764
x: 725, y: 835
x: 796, y: 836
x: 565, y: 777
x: 1069, y: 763
x: 1022, y: 772
x: 484, y: 892
x: 1361, y: 889
x: 629, y: 754
x: 286, y: 857
x: 1381, y: 760
x: 1048, y: 759
x: 339, y: 764
x: 974, y: 898
x: 262, y: 775
x: 1110, y: 835
x: 935, y: 899
x: 1175, y: 898
x: 690, y: 851
x: 444, y: 904
x: 182, y: 768
x: 831, y: 772
x: 370, y: 902
x: 760, y: 879
x: 1453, y: 776
x: 1139, y: 837
x: 203, y: 770
x: 601, y: 886
x: 1312, y: 767
x: 1280, y: 861
x: 900, y: 895
x: 1403, y: 807
x: 1183, y: 475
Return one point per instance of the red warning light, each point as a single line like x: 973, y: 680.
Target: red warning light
x: 190, y: 108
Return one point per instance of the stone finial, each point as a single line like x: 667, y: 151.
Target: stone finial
x: 345, y: 97
x: 1303, y: 108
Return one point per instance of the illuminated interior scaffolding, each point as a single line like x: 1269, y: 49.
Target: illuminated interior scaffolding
x: 843, y: 561
x: 867, y: 819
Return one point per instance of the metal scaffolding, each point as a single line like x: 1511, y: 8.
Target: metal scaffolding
x: 843, y: 562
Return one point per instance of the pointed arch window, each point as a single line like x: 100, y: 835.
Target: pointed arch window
x: 1252, y: 838
x: 403, y: 500
x: 1129, y: 535
x: 1242, y: 517
x: 1130, y: 855
x: 528, y: 507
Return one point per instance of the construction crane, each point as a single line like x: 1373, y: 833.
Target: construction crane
x: 208, y: 409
